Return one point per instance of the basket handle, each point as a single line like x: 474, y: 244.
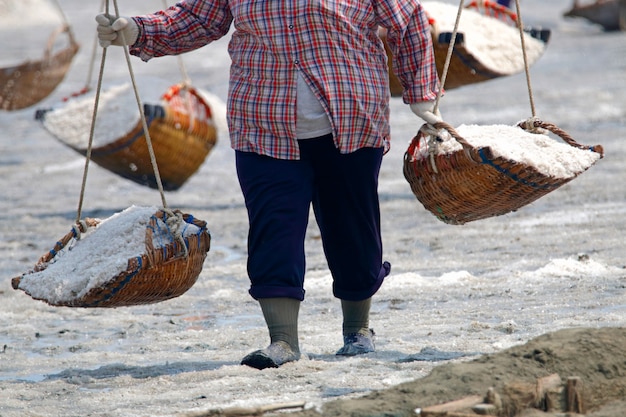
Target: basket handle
x: 53, y: 37
x: 533, y: 124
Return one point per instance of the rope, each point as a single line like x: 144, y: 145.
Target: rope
x: 186, y: 83
x: 144, y: 123
x: 94, y: 47
x: 91, y: 133
x: 520, y: 26
x: 95, y: 113
x: 175, y: 221
x: 446, y: 65
x: 433, y: 142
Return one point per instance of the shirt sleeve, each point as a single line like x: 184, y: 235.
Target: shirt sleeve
x: 410, y: 41
x: 186, y: 26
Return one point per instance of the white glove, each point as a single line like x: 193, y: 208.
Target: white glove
x: 424, y: 110
x: 110, y: 30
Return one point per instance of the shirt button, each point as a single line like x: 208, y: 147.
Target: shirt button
x: 290, y: 26
x: 295, y: 61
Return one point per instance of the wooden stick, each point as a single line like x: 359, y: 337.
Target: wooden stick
x: 574, y: 395
x: 245, y: 411
x: 448, y: 414
x: 545, y: 398
x: 457, y: 408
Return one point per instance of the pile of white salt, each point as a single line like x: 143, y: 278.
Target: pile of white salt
x: 99, y: 255
x: 118, y: 113
x: 491, y: 41
x: 548, y: 156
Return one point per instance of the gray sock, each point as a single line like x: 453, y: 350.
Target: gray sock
x: 281, y: 317
x: 356, y: 317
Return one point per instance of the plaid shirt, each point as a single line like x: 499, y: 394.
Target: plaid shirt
x: 332, y: 44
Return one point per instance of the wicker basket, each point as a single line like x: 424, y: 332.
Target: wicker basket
x: 472, y: 184
x: 182, y: 133
x: 157, y: 275
x: 465, y: 67
x: 29, y: 83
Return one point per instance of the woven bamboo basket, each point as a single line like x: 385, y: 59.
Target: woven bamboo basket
x: 466, y: 67
x: 472, y: 184
x: 159, y: 274
x: 182, y: 133
x: 30, y: 82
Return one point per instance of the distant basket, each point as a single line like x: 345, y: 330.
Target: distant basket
x: 465, y: 66
x: 609, y: 14
x: 471, y: 183
x: 182, y: 133
x: 159, y: 274
x: 28, y: 83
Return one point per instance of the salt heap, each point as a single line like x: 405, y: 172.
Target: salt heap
x: 99, y: 255
x: 548, y: 156
x: 117, y: 115
x: 494, y: 43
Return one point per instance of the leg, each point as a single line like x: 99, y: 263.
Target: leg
x: 345, y: 202
x: 278, y: 196
x: 346, y: 207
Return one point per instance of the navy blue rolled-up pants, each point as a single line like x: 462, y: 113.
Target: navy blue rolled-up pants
x: 343, y: 190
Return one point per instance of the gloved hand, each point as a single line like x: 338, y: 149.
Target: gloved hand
x: 110, y: 30
x: 424, y: 110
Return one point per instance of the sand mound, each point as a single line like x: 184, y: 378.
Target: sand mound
x: 594, y: 355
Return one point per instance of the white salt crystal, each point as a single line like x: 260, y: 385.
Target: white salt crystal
x: 98, y: 256
x: 492, y: 42
x: 548, y: 156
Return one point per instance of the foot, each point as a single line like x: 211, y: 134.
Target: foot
x: 357, y: 344
x: 273, y: 356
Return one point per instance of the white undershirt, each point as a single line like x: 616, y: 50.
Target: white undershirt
x: 312, y: 121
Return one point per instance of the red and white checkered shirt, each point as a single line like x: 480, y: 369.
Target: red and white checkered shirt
x: 332, y: 44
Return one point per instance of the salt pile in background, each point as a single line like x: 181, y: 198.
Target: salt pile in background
x: 117, y: 114
x: 494, y: 43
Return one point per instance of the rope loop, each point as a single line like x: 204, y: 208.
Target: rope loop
x: 176, y: 225
x: 533, y: 125
x: 79, y: 228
